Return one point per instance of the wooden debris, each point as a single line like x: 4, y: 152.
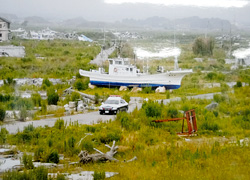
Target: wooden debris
x: 85, y: 157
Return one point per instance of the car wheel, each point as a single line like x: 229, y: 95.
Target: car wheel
x: 101, y: 112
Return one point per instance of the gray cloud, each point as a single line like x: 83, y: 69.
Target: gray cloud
x: 99, y: 11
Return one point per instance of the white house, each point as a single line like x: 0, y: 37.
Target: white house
x: 4, y: 29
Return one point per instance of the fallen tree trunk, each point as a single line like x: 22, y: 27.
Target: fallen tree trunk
x: 85, y: 157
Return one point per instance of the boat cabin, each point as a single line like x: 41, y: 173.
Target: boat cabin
x: 122, y: 67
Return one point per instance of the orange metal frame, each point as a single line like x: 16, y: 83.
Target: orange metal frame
x: 190, y: 116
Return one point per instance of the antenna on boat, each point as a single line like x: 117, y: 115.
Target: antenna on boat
x: 176, y: 66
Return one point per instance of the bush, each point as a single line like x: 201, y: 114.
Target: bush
x: 27, y: 161
x: 3, y: 135
x: 97, y: 98
x: 53, y: 157
x: 172, y: 112
x: 2, y: 113
x: 43, y: 107
x: 53, y: 97
x: 238, y: 84
x: 59, y: 124
x: 81, y: 85
x: 75, y: 96
x: 38, y: 155
x: 203, y: 46
x: 126, y: 97
x: 124, y: 120
x: 152, y: 109
x: 99, y: 175
x: 147, y: 90
x: 23, y: 114
x: 46, y: 83
x: 36, y: 98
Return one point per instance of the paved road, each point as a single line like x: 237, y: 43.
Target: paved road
x: 103, y: 56
x: 88, y: 118
x: 92, y: 117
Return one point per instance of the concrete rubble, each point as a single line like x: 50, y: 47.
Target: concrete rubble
x: 12, y: 51
x: 212, y: 106
x: 84, y: 175
x: 160, y: 89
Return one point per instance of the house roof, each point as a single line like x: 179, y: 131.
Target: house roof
x: 1, y: 18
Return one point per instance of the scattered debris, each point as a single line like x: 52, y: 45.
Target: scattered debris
x: 160, y: 89
x: 136, y: 89
x: 12, y: 51
x: 212, y: 106
x: 123, y: 88
x: 91, y: 86
x: 85, y: 157
x: 84, y: 175
x: 190, y: 117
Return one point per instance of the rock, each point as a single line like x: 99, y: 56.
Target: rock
x: 160, y: 89
x: 212, y: 106
x: 136, y: 89
x: 72, y: 104
x: 123, y: 88
x: 91, y: 86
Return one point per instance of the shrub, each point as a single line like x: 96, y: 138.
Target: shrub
x: 238, y: 84
x: 172, y: 112
x: 60, y: 177
x: 203, y: 46
x: 23, y: 114
x: 97, y: 98
x: 147, y: 90
x: 124, y: 120
x: 219, y: 98
x: 152, y: 109
x: 2, y: 113
x: 211, y: 126
x: 43, y: 107
x: 36, y: 98
x: 53, y: 157
x: 99, y: 175
x: 81, y: 85
x: 75, y: 96
x: 126, y: 97
x: 38, y: 155
x: 87, y: 145
x: 53, y: 97
x: 3, y: 135
x: 46, y: 83
x: 59, y: 124
x: 27, y: 161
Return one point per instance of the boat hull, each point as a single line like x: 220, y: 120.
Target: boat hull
x: 170, y: 80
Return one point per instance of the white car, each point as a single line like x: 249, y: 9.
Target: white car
x: 113, y: 105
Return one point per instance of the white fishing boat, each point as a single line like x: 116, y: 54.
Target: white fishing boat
x: 122, y: 73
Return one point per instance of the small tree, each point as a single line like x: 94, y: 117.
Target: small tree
x: 203, y: 46
x: 53, y: 96
x: 2, y: 113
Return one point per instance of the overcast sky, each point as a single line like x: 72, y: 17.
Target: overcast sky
x: 114, y: 10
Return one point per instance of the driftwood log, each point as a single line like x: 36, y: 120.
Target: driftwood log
x: 85, y: 157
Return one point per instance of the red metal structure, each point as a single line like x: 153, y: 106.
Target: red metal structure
x: 191, y: 122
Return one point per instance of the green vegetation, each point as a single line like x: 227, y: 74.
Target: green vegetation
x: 203, y: 46
x: 160, y: 152
x: 49, y: 59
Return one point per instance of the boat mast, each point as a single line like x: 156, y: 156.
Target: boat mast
x: 176, y: 66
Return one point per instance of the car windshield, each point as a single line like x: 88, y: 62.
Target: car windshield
x: 111, y: 102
